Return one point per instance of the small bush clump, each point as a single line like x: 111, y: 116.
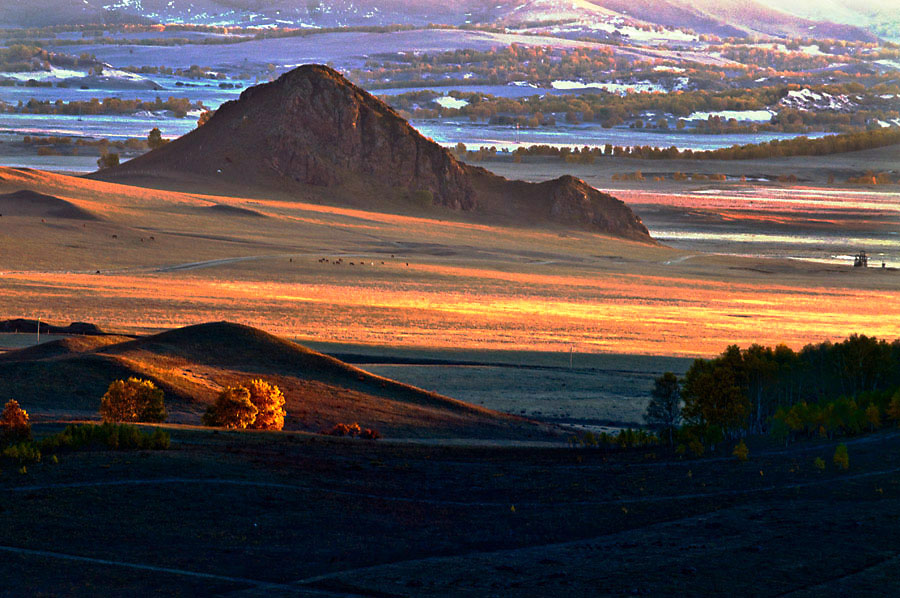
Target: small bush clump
x: 105, y: 436
x: 627, y: 438
x: 741, y: 452
x: 354, y: 431
x: 22, y: 454
x: 841, y: 457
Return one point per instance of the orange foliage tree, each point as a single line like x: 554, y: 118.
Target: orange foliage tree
x: 269, y: 402
x: 133, y: 400
x: 14, y: 426
x: 233, y: 409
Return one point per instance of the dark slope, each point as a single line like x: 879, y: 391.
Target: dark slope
x: 30, y: 203
x: 192, y: 364
x: 311, y: 128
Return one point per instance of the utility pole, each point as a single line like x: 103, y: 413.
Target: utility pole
x: 39, y: 330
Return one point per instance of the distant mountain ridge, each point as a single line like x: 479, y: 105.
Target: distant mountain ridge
x: 722, y: 17
x: 311, y: 129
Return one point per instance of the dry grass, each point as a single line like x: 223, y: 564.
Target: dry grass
x: 450, y: 282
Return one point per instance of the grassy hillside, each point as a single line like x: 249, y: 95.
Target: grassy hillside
x: 67, y: 378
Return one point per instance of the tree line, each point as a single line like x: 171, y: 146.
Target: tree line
x: 111, y: 105
x: 824, y: 389
x: 797, y: 146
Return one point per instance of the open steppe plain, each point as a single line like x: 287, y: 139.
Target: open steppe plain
x: 155, y: 259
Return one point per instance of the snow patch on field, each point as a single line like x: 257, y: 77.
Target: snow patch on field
x: 54, y: 74
x: 807, y: 99
x: 621, y: 88
x: 762, y: 116
x: 618, y: 26
x: 451, y: 102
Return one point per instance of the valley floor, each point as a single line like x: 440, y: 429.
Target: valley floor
x: 155, y: 260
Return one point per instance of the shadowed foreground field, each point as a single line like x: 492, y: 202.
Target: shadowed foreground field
x: 289, y: 514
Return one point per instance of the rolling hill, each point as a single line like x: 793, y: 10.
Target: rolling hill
x: 66, y: 378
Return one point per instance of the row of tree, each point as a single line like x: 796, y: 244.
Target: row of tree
x: 777, y: 148
x: 178, y: 106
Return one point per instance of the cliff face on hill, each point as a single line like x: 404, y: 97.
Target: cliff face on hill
x: 313, y: 128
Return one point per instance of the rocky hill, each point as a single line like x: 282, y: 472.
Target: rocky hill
x: 313, y: 129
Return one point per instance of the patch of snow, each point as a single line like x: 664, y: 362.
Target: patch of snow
x: 812, y: 50
x: 109, y: 71
x: 618, y: 27
x: 807, y: 99
x: 54, y: 74
x: 668, y: 69
x: 762, y: 116
x: 616, y: 87
x: 451, y: 102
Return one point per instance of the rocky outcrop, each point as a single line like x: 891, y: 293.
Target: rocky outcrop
x: 574, y: 202
x: 311, y: 128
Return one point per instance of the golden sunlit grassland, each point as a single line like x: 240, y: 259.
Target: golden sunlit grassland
x: 167, y: 259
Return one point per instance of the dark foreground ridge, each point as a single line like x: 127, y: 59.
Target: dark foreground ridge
x: 312, y: 128
x: 192, y: 364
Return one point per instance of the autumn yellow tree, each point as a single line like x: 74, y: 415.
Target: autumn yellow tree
x: 841, y: 457
x: 893, y: 410
x: 133, y: 400
x: 741, y: 452
x: 873, y: 417
x: 269, y: 402
x: 14, y: 426
x: 233, y: 409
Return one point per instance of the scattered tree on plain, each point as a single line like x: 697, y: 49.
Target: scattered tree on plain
x: 841, y: 457
x: 155, y: 139
x: 664, y: 409
x: 232, y: 409
x: 269, y: 402
x: 133, y: 400
x: 14, y: 426
x: 741, y: 452
x: 108, y: 160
